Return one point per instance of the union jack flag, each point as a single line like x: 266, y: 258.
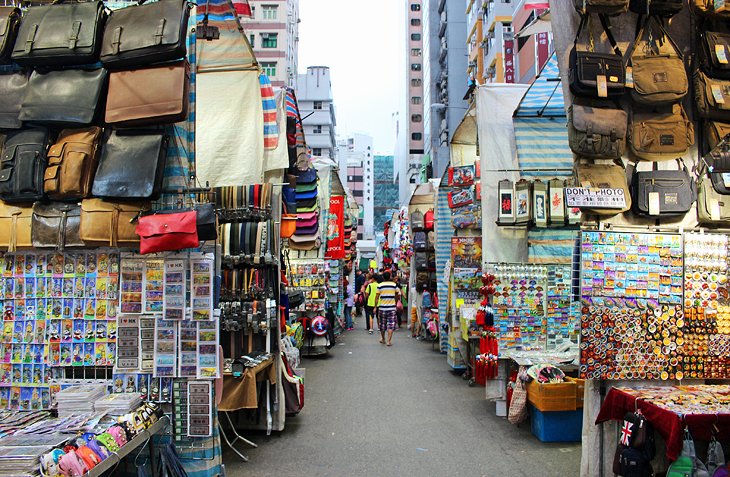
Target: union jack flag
x: 626, y: 432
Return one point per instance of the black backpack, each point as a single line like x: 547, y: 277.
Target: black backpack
x: 419, y: 241
x: 421, y: 261
x: 636, y: 447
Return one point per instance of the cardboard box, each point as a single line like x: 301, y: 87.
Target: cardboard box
x: 552, y: 396
x: 579, y: 391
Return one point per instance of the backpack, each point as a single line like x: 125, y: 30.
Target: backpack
x: 612, y: 7
x: 431, y: 240
x: 661, y: 8
x: 687, y: 464
x: 428, y: 220
x: 421, y: 261
x: 597, y: 132
x: 419, y: 241
x: 417, y: 220
x: 636, y: 447
x: 715, y: 457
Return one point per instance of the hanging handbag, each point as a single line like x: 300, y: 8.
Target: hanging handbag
x: 72, y: 162
x: 612, y: 7
x: 60, y: 34
x: 149, y: 96
x: 714, y: 54
x: 205, y: 220
x: 110, y: 224
x: 56, y: 225
x: 655, y: 135
x: 146, y: 33
x: 603, y: 176
x: 15, y: 227
x: 712, y: 97
x: 715, y: 456
x: 660, y: 8
x: 687, y: 464
x: 64, y: 97
x: 132, y: 165
x: 9, y: 24
x: 715, y: 132
x: 23, y: 164
x: 707, y: 8
x: 661, y: 193
x: 12, y: 90
x: 167, y: 232
x: 712, y: 208
x: 596, y: 75
x: 597, y: 132
x: 659, y: 77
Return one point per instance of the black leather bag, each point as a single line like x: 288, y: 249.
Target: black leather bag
x: 56, y: 225
x: 12, y: 90
x: 713, y: 47
x: 23, y: 164
x: 675, y: 191
x: 586, y: 67
x: 132, y: 165
x: 64, y: 97
x: 661, y: 8
x: 9, y: 24
x: 146, y: 33
x: 60, y: 34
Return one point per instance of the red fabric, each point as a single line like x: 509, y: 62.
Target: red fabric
x: 669, y: 424
x: 167, y: 232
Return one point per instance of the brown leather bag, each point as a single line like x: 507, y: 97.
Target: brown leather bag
x: 56, y: 225
x: 15, y: 227
x: 148, y: 96
x: 105, y: 223
x: 72, y: 162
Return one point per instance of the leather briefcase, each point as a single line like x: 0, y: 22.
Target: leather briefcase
x: 659, y: 76
x: 64, y: 97
x: 714, y: 54
x: 110, y: 224
x: 132, y: 165
x: 12, y: 90
x: 712, y: 97
x: 672, y: 191
x: 56, y: 225
x: 597, y: 132
x: 9, y: 24
x: 23, y: 163
x: 590, y: 71
x: 72, y: 162
x: 167, y: 232
x: 149, y: 96
x: 15, y: 227
x: 146, y: 33
x: 60, y: 34
x: 655, y: 135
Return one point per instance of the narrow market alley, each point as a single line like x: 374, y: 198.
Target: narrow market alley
x: 399, y: 411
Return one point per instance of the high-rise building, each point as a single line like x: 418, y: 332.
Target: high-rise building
x: 355, y: 155
x: 444, y: 50
x: 314, y: 94
x: 274, y: 35
x: 498, y: 41
x: 385, y: 193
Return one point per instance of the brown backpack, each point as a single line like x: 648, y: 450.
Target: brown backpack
x: 655, y: 135
x: 597, y: 132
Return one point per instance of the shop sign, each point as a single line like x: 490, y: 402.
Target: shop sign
x: 336, y: 228
x: 595, y: 198
x: 543, y: 48
x: 509, y: 61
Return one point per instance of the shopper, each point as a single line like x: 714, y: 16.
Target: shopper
x: 426, y: 305
x: 370, y: 288
x: 349, y: 303
x: 359, y: 282
x: 386, y: 297
x: 416, y: 301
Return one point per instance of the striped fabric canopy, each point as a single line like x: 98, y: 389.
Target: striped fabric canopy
x: 544, y: 97
x: 232, y: 52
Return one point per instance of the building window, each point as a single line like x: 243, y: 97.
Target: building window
x: 318, y: 105
x: 269, y: 12
x: 416, y: 136
x: 416, y: 82
x: 416, y: 118
x: 268, y: 40
x: 251, y: 39
x: 269, y: 69
x: 317, y: 129
x: 415, y: 66
x: 415, y: 52
x: 317, y: 152
x: 415, y: 7
x: 416, y: 100
x: 416, y: 36
x: 415, y: 22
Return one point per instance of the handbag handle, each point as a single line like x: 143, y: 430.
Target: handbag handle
x: 606, y: 27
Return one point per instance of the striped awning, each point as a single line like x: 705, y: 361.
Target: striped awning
x: 232, y: 51
x: 544, y: 97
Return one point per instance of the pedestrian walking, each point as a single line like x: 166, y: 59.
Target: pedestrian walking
x: 416, y: 302
x: 370, y: 288
x: 349, y: 303
x: 359, y: 282
x: 386, y: 297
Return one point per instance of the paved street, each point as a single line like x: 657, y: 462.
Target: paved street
x: 376, y: 411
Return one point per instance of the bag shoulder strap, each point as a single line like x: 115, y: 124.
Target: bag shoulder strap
x: 662, y: 34
x: 584, y: 20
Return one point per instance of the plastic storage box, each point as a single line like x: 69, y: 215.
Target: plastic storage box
x: 556, y: 426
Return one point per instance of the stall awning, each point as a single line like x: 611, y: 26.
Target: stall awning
x: 540, y: 133
x: 232, y: 51
x: 464, y: 139
x: 422, y: 195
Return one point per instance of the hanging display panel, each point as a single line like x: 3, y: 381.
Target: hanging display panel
x: 632, y: 314
x: 519, y: 307
x: 562, y: 313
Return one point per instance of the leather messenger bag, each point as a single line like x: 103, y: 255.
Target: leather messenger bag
x: 12, y: 90
x: 15, y: 227
x: 146, y: 33
x: 149, y: 96
x: 112, y: 224
x: 56, y: 225
x: 72, y: 162
x: 592, y: 74
x: 132, y: 165
x: 9, y: 24
x: 23, y: 163
x: 60, y: 34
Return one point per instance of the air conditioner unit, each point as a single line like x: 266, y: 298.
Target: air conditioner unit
x: 508, y: 35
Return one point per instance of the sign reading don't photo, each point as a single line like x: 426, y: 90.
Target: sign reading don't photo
x: 595, y: 198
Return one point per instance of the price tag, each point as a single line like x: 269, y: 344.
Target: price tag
x: 721, y: 54
x: 629, y: 77
x: 654, y: 206
x: 717, y: 94
x: 726, y: 178
x: 720, y: 6
x: 715, y: 213
x: 602, y: 86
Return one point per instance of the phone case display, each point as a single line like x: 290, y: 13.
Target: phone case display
x: 562, y: 313
x: 706, y: 330
x: 519, y: 307
x: 632, y: 315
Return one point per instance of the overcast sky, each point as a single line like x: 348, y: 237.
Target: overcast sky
x: 363, y: 43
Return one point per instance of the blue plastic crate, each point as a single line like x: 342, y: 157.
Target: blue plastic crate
x: 556, y: 426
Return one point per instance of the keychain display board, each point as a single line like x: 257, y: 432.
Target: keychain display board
x: 632, y: 314
x: 310, y: 277
x: 562, y: 313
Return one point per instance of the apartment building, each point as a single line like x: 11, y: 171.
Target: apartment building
x: 314, y: 94
x: 355, y: 155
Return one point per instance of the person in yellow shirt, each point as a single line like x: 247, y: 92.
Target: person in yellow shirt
x: 370, y: 289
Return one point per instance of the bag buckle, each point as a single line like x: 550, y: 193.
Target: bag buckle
x: 117, y: 40
x: 74, y: 38
x: 31, y: 38
x: 160, y: 31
